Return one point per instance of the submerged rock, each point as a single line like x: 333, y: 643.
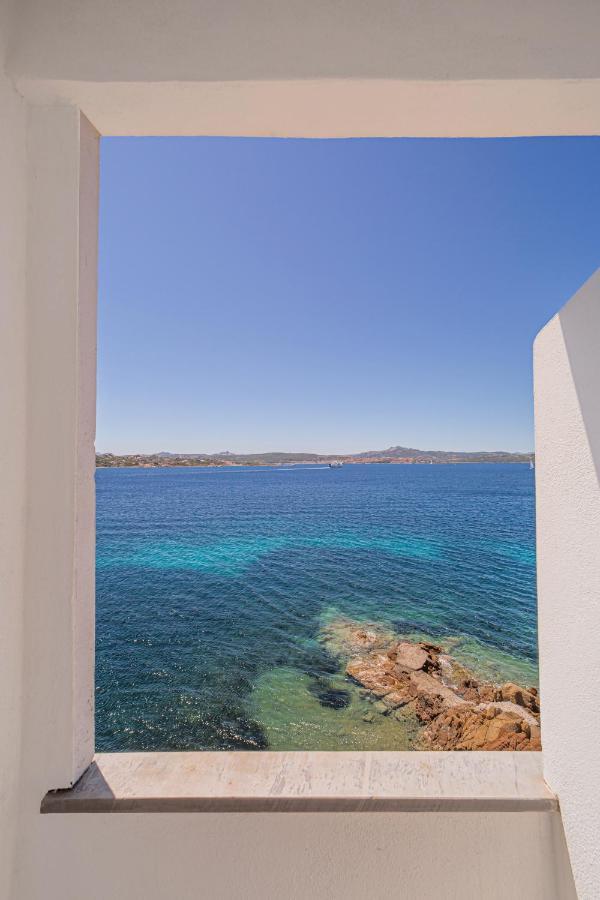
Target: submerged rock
x: 333, y: 698
x: 344, y: 637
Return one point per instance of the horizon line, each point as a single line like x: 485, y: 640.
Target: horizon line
x: 308, y: 452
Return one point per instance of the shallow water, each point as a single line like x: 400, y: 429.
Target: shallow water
x: 213, y: 586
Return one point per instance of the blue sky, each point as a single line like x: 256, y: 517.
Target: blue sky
x: 340, y: 295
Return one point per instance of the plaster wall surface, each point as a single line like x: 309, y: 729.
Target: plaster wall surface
x: 328, y: 69
x: 295, y: 856
x: 236, y: 66
x: 60, y: 528
x: 567, y: 410
x: 208, y: 40
x: 13, y: 382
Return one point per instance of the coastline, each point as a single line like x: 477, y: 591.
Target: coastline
x: 270, y: 465
x: 392, y: 455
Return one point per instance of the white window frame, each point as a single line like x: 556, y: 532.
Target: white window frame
x: 62, y: 287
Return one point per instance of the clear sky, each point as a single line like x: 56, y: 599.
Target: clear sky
x: 342, y: 295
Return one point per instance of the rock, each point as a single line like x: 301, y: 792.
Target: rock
x: 453, y: 672
x: 397, y: 698
x: 509, y: 707
x: 469, y: 689
x: 394, y: 687
x: 410, y: 656
x: 472, y: 728
x: 520, y: 696
x: 368, y: 717
x: 415, y: 679
x: 373, y: 673
x: 345, y: 637
x: 332, y: 698
x: 470, y: 694
x: 489, y: 693
x: 428, y: 707
x: 427, y: 685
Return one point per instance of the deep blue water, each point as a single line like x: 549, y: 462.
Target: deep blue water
x: 212, y: 585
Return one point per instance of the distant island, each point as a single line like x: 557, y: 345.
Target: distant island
x: 393, y: 455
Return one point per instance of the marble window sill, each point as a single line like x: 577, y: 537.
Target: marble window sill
x: 307, y: 782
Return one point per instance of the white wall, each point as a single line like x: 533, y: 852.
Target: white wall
x: 567, y: 410
x: 12, y: 448
x: 330, y: 68
x: 62, y: 222
x: 296, y: 856
x: 246, y: 40
x: 254, y: 67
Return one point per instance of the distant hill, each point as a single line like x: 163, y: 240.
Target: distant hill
x: 447, y: 455
x: 393, y: 455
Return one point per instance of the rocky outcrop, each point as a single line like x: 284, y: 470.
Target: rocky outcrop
x: 526, y: 697
x: 485, y: 727
x: 455, y: 710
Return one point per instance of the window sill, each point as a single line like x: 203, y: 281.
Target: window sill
x: 307, y: 782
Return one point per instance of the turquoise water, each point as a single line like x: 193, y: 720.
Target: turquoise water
x: 213, y: 586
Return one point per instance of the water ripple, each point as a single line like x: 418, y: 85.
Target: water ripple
x: 212, y: 586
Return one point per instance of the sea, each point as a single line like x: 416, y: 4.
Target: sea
x: 214, y: 587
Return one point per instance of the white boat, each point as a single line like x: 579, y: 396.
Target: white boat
x: 336, y: 464
x: 531, y: 463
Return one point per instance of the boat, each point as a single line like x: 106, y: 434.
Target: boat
x: 531, y: 463
x: 336, y: 464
